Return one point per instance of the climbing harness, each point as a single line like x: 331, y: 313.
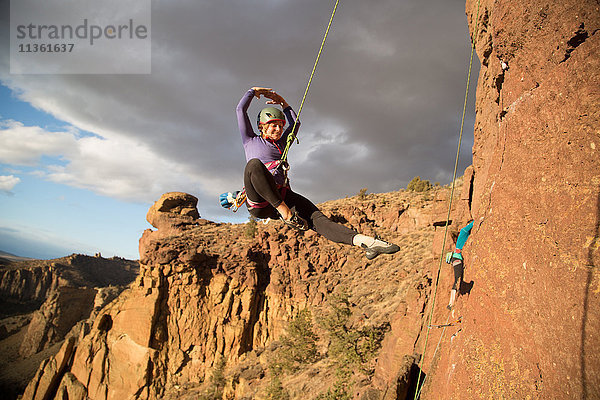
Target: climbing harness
x: 429, y: 326
x: 241, y: 197
x: 263, y: 204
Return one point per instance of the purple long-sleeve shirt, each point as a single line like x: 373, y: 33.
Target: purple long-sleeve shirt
x: 257, y: 147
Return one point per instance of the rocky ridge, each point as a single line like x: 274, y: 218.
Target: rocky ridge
x: 211, y: 305
x: 211, y: 293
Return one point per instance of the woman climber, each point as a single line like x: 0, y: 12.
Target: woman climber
x: 456, y: 259
x: 267, y: 188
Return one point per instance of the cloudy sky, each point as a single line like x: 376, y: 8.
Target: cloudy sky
x: 82, y: 157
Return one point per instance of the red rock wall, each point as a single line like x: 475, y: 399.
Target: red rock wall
x: 530, y: 325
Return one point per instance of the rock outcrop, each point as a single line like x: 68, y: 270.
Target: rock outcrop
x: 530, y: 327
x: 55, y: 318
x: 42, y: 300
x: 25, y: 285
x: 21, y: 287
x: 211, y: 293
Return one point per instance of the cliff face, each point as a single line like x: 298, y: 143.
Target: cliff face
x: 212, y: 293
x: 530, y: 327
x: 41, y: 300
x: 27, y: 284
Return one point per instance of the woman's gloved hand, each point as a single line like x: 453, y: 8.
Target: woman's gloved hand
x: 228, y: 199
x: 453, y: 255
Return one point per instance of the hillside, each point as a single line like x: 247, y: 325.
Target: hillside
x: 7, y: 258
x: 220, y: 297
x: 42, y: 300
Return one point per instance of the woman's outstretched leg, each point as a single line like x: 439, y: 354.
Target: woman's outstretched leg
x: 337, y: 232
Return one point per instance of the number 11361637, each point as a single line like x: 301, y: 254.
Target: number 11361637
x: 46, y: 47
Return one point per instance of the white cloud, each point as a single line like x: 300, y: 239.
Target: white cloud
x: 118, y: 167
x: 367, y: 42
x: 7, y: 183
x: 121, y: 168
x: 25, y: 145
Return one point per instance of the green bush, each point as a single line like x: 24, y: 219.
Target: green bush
x: 298, y: 347
x: 418, y: 185
x: 275, y: 390
x: 299, y: 344
x: 362, y: 194
x: 339, y: 391
x: 251, y: 227
x: 350, y: 349
x: 216, y: 382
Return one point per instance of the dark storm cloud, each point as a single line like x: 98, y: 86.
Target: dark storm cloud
x: 384, y: 105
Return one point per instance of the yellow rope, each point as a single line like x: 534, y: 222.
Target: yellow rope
x: 292, y: 135
x: 418, y: 391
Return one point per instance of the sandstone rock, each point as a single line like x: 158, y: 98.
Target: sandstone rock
x: 11, y: 325
x: 104, y: 296
x: 25, y: 285
x: 173, y: 210
x: 208, y: 292
x: 62, y: 292
x: 406, y: 325
x: 55, y: 318
x: 114, y: 359
x: 71, y: 389
x: 370, y: 394
x: 530, y: 323
x: 45, y: 383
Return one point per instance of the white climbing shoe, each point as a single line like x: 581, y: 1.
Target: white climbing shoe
x: 374, y: 246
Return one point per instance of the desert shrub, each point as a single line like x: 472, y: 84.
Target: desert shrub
x: 251, y: 227
x: 299, y: 344
x: 275, y: 390
x: 216, y: 382
x: 298, y: 348
x: 339, y: 391
x: 350, y: 349
x: 418, y: 185
x: 362, y: 194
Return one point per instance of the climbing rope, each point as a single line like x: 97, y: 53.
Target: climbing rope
x: 292, y: 135
x: 241, y: 198
x: 437, y: 279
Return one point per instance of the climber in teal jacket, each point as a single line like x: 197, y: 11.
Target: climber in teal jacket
x: 456, y: 259
x: 460, y: 242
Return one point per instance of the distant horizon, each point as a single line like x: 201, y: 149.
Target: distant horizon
x: 42, y: 250
x: 5, y: 254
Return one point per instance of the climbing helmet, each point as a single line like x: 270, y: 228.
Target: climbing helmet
x: 269, y: 114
